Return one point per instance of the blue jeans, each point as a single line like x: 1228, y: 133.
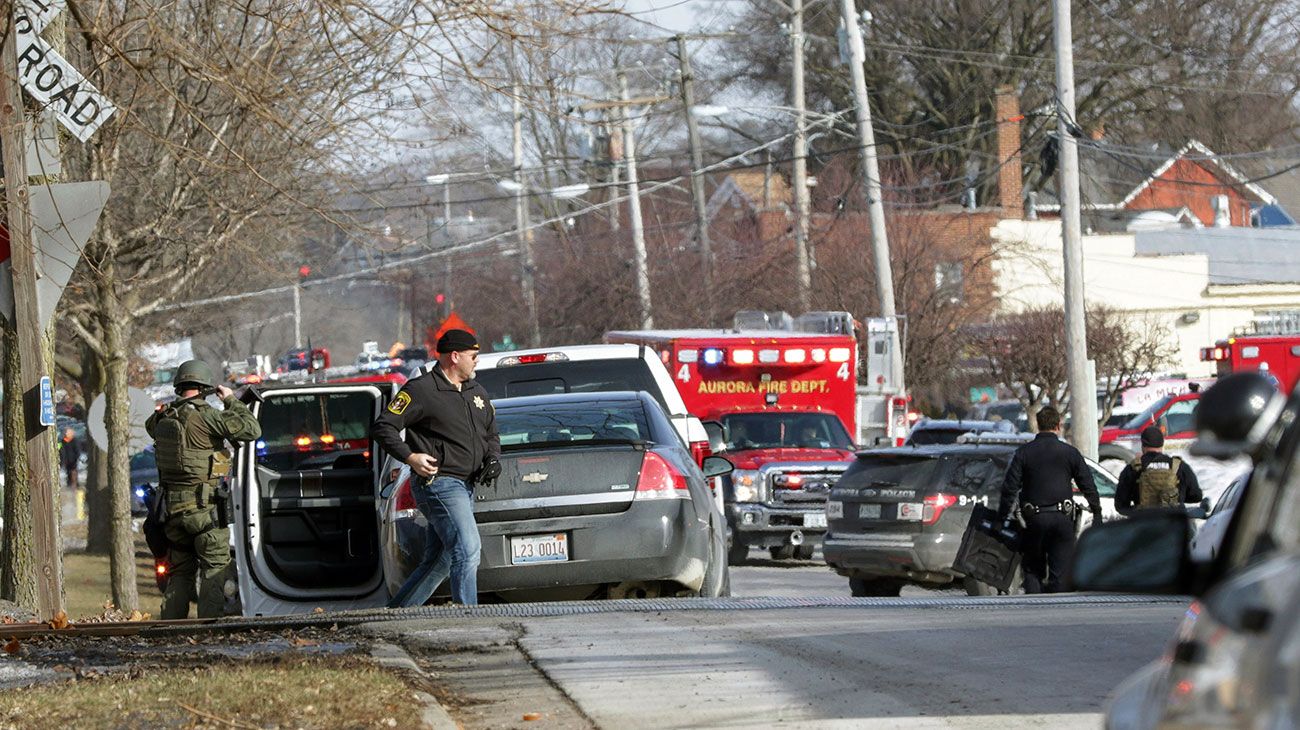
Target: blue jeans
x: 451, y: 544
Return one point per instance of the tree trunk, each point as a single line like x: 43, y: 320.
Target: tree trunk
x: 99, y: 506
x: 17, y: 563
x: 116, y: 415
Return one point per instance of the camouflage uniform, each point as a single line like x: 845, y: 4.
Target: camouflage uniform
x: 189, y: 439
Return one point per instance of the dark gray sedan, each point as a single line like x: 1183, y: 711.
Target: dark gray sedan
x: 598, y: 498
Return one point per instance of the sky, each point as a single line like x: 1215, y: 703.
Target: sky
x: 683, y: 15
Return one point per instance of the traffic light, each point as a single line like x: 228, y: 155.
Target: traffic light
x: 304, y: 271
x: 439, y: 298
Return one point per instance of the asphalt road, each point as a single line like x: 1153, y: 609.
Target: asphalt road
x: 937, y: 660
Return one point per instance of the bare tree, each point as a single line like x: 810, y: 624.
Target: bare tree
x: 1127, y: 350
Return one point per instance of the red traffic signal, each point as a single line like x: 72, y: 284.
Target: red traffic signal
x: 440, y: 298
x: 304, y: 271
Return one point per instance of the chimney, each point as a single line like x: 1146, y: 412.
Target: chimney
x: 1222, y: 211
x: 1010, y: 185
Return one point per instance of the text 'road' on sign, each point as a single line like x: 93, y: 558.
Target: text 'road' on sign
x: 54, y: 82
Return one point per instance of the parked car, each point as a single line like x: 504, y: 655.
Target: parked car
x: 931, y: 431
x: 144, y: 478
x: 1209, y: 537
x: 592, y: 369
x: 597, y: 498
x: 1010, y: 410
x: 1234, y: 662
x: 897, y: 516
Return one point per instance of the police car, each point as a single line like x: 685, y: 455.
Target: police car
x: 896, y: 517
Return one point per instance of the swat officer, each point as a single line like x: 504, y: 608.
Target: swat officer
x: 451, y: 444
x: 1039, y: 478
x: 189, y: 444
x: 1156, y: 479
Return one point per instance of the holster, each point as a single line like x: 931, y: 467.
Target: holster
x: 222, y: 500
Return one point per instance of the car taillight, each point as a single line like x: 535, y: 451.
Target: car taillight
x: 700, y: 451
x: 935, y: 504
x: 659, y: 480
x: 404, y: 501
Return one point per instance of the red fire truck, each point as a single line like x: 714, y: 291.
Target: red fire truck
x: 1276, y: 354
x: 783, y: 405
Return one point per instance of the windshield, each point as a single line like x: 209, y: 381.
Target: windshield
x: 315, y: 431
x: 785, y: 430
x: 1144, y: 417
x: 572, y: 423
x: 967, y: 473
x: 583, y: 376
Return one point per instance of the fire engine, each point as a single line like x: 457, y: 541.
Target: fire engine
x: 779, y: 396
x: 1273, y: 347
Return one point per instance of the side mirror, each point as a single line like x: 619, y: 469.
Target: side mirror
x: 716, y: 466
x: 1147, y: 553
x: 717, y: 437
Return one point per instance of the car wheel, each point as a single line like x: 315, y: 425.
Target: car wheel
x: 737, y: 553
x: 804, y: 552
x: 783, y: 552
x: 875, y: 587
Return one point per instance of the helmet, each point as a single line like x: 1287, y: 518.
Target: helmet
x: 194, y: 373
x: 1230, y: 408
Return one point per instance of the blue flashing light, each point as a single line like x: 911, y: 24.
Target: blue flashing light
x: 261, y: 445
x: 713, y: 356
x: 139, y: 492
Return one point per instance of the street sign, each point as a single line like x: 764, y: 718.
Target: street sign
x: 50, y: 79
x: 39, y: 13
x: 63, y: 217
x: 47, y: 401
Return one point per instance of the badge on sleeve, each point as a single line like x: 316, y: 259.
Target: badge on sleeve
x: 399, y: 403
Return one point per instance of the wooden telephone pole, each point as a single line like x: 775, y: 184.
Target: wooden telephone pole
x: 27, y: 324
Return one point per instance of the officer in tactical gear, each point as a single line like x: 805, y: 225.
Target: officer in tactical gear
x: 189, y: 444
x: 1038, y: 478
x: 1156, y: 479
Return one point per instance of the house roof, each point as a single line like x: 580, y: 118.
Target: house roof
x: 1110, y: 178
x: 749, y: 184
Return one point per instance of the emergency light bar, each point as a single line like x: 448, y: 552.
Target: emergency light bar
x: 1215, y: 354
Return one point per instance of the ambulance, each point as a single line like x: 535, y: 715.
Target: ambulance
x: 779, y: 399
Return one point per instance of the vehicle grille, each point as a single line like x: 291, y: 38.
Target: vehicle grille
x: 816, y: 486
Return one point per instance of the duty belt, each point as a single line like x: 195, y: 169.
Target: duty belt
x: 1065, y: 506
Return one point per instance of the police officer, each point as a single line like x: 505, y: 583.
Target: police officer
x: 451, y: 443
x: 1156, y: 479
x: 1039, y: 478
x: 189, y: 444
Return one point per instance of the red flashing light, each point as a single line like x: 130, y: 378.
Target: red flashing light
x: 935, y: 504
x: 302, y: 442
x: 161, y: 568
x: 531, y: 359
x: 327, y: 439
x: 304, y: 271
x: 439, y: 298
x: 659, y: 480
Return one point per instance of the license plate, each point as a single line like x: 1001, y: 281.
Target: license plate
x: 539, y: 549
x: 834, y: 510
x: 815, y: 519
x: 910, y: 510
x: 869, y: 511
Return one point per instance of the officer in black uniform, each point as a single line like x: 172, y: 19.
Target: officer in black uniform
x: 451, y: 445
x: 1039, y: 479
x: 1156, y: 479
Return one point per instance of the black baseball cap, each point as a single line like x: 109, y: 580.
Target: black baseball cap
x: 457, y: 341
x: 1153, y: 437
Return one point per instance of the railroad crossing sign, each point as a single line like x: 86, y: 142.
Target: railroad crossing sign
x: 50, y: 79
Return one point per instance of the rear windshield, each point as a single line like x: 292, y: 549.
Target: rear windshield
x: 1142, y: 418
x: 315, y: 431
x: 788, y: 430
x: 572, y: 423
x: 582, y: 376
x: 970, y: 474
x: 931, y: 436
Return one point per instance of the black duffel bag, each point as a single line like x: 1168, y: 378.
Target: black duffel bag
x: 155, y: 521
x: 990, y: 550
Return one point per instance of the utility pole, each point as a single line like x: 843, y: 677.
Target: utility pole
x: 1083, y: 404
x: 525, y: 233
x: 802, y: 205
x: 297, y: 316
x: 875, y: 202
x: 27, y: 325
x: 634, y: 205
x: 697, y: 172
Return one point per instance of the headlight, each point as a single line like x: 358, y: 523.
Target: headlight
x: 745, y: 484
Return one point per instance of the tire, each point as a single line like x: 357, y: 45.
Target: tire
x: 738, y: 553
x: 804, y: 552
x: 716, y: 576
x: 784, y: 552
x: 875, y: 587
x: 725, y: 592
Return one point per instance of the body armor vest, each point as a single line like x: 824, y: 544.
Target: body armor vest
x: 191, y: 461
x: 1158, y: 483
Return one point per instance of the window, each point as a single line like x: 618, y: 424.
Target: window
x: 582, y: 376
x: 1181, y: 417
x: 572, y: 423
x: 1102, y: 481
x: 949, y: 280
x: 310, y: 431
